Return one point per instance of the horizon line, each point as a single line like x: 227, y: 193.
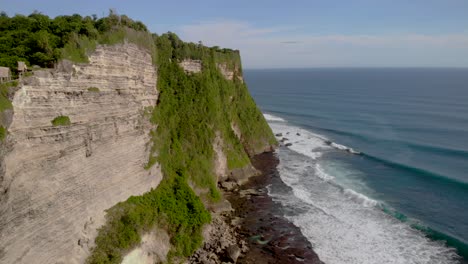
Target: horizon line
x: 357, y: 67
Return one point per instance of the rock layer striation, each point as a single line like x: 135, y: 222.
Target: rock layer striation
x: 58, y: 180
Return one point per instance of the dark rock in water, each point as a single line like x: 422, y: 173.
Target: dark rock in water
x: 233, y: 253
x: 270, y: 237
x: 328, y: 142
x: 279, y: 134
x: 284, y: 139
x: 298, y: 134
x: 287, y: 133
x: 221, y: 206
x: 229, y: 185
x: 288, y: 144
x: 241, y: 175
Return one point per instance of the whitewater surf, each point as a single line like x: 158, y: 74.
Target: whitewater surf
x: 335, y: 209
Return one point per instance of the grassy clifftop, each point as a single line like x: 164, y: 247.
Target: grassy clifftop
x: 39, y: 40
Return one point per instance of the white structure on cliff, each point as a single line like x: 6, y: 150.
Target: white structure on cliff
x: 5, y: 74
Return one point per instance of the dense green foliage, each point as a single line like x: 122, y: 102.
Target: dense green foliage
x: 5, y: 104
x: 61, y: 121
x: 80, y: 46
x: 4, y: 91
x: 93, y: 89
x: 173, y: 205
x: 3, y: 133
x: 192, y: 107
x: 39, y: 40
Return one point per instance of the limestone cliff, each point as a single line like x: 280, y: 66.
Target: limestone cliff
x: 58, y: 180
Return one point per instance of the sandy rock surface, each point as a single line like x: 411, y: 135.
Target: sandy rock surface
x: 191, y: 66
x: 58, y: 180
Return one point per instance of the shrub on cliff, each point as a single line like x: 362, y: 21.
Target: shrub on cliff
x: 93, y: 89
x: 5, y: 104
x: 61, y: 121
x: 4, y: 91
x: 3, y: 133
x: 173, y: 206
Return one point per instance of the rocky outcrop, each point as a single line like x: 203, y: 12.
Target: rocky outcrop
x: 58, y: 180
x: 235, y: 128
x: 242, y: 175
x: 153, y: 248
x: 220, y: 160
x: 252, y: 150
x: 228, y: 73
x: 191, y: 66
x: 222, y: 244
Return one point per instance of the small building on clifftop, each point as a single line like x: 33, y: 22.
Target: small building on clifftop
x: 5, y: 74
x: 22, y: 68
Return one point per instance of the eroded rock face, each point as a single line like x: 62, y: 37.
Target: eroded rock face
x: 220, y: 240
x: 58, y: 180
x: 153, y: 248
x: 191, y: 66
x: 229, y: 73
x: 220, y: 160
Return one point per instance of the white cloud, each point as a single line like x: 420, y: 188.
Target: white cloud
x: 280, y: 47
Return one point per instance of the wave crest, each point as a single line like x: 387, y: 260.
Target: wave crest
x: 360, y: 198
x: 270, y: 117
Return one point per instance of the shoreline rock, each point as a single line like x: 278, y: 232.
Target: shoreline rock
x: 255, y: 231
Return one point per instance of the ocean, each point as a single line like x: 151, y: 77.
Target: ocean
x: 378, y: 166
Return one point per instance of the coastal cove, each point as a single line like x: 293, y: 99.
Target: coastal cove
x: 375, y: 160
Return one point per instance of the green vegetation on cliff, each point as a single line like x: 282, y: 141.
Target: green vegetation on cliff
x: 39, y: 40
x: 93, y: 89
x: 172, y: 206
x: 5, y: 104
x: 61, y: 121
x: 3, y: 133
x: 4, y: 101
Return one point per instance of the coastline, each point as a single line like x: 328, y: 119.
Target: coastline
x: 254, y: 230
x: 271, y: 238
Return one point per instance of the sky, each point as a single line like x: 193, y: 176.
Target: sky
x: 298, y: 33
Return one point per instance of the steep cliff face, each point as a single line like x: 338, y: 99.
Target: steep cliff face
x: 82, y: 165
x: 59, y: 180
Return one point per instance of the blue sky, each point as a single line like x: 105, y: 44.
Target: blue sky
x: 314, y: 33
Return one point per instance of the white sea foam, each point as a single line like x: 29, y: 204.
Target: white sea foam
x: 322, y: 174
x: 360, y: 198
x: 343, y: 225
x: 303, y: 141
x: 345, y: 148
x: 270, y: 117
x: 302, y: 137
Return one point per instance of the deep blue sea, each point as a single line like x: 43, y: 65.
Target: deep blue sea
x: 378, y: 166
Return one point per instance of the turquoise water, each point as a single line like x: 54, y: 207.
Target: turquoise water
x: 409, y: 125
